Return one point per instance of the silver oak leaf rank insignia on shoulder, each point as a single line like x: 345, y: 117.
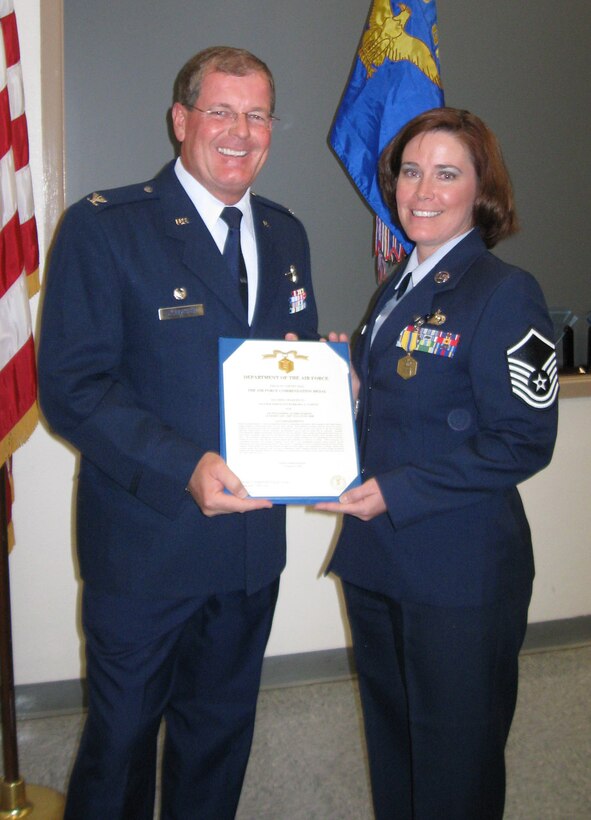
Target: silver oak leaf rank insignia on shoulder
x: 533, y: 370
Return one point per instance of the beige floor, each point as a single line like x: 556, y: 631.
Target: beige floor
x: 308, y: 760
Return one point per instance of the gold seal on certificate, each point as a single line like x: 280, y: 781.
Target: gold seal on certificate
x: 287, y: 423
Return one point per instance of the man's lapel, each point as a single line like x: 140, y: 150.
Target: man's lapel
x: 197, y: 249
x: 266, y: 238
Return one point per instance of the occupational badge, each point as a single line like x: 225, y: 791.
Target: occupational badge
x: 437, y: 318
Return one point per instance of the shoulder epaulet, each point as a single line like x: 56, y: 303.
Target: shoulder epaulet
x: 121, y: 196
x: 271, y: 204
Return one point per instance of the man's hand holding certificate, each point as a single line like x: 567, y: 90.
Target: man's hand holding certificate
x: 287, y: 424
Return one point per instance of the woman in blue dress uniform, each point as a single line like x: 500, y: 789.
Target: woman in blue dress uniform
x: 457, y: 404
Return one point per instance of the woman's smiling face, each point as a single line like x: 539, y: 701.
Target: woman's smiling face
x: 435, y: 190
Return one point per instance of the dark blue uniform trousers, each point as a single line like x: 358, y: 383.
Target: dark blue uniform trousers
x: 438, y: 688
x: 196, y: 662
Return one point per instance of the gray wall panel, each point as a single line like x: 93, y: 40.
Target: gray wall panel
x: 523, y: 66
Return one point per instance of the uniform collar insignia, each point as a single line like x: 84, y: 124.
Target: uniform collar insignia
x: 442, y: 276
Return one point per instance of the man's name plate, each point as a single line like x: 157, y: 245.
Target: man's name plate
x: 287, y: 421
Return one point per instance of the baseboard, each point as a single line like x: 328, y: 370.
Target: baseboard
x: 308, y: 667
x: 69, y: 696
x: 567, y: 633
x: 51, y: 699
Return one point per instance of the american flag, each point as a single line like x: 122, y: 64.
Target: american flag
x: 19, y: 254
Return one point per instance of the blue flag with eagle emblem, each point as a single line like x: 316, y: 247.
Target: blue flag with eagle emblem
x: 395, y: 77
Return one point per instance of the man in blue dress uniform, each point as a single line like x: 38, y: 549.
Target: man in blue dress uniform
x: 179, y: 586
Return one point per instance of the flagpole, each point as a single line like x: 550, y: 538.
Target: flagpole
x: 16, y: 799
x: 9, y: 745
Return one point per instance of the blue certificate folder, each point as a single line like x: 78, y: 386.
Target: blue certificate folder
x: 287, y: 425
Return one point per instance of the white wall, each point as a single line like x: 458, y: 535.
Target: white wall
x: 558, y: 504
x: 45, y: 591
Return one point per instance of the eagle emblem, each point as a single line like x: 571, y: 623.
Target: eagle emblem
x: 96, y: 199
x: 386, y: 39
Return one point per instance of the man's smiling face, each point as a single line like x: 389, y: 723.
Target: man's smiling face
x: 225, y: 157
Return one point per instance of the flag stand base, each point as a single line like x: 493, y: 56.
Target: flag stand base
x: 39, y: 802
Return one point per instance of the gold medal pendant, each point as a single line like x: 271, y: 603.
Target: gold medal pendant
x: 407, y: 367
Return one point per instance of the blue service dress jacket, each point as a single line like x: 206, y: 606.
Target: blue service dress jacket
x: 137, y: 394
x: 449, y: 444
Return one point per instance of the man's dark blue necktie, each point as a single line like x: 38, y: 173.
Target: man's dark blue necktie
x: 233, y: 252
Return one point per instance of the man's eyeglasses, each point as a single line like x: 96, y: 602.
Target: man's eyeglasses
x: 255, y: 119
